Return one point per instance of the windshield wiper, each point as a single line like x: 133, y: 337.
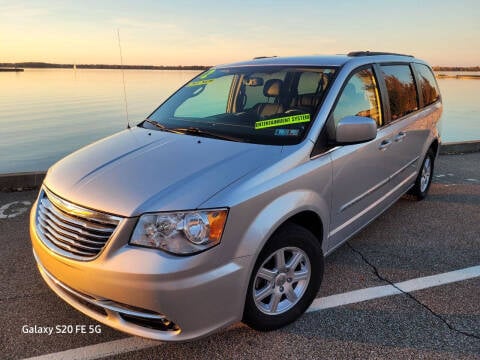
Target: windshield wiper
x: 206, y: 133
x: 162, y: 127
x: 193, y: 131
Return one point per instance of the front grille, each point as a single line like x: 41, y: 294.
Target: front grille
x: 162, y: 324
x: 95, y: 308
x: 70, y: 230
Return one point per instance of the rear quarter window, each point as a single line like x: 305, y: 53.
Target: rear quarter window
x: 402, y: 92
x: 428, y: 85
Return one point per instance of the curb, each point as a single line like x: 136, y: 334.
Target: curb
x: 458, y: 148
x: 33, y: 180
x: 21, y: 181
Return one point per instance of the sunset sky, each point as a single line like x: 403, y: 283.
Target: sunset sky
x: 179, y: 32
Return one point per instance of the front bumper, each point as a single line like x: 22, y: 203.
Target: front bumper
x: 145, y: 292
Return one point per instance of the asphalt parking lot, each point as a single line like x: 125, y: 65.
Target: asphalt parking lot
x: 410, y: 241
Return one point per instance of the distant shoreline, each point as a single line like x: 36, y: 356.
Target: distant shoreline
x: 458, y: 76
x: 9, y: 69
x: 43, y: 65
x: 456, y: 68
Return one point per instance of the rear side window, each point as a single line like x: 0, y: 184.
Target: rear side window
x: 428, y: 85
x: 402, y: 93
x: 311, y: 83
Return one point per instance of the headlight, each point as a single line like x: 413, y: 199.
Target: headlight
x: 184, y: 233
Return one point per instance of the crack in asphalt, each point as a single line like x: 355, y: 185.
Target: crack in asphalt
x: 441, y: 318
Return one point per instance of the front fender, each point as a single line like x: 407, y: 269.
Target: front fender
x: 271, y: 217
x: 276, y: 213
x: 259, y: 205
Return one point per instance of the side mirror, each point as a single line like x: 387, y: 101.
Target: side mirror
x: 355, y: 129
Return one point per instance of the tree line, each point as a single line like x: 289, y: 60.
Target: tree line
x: 456, y: 68
x: 43, y: 65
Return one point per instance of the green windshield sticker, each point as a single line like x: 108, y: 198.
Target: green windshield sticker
x: 207, y: 74
x: 200, y: 82
x: 282, y: 121
x: 203, y: 79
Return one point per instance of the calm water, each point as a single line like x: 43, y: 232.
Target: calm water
x: 46, y: 114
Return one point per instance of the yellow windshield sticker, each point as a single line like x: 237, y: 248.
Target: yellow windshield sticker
x: 207, y: 74
x: 200, y: 82
x: 287, y: 120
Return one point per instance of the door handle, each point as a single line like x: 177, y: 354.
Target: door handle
x: 400, y: 136
x: 385, y: 144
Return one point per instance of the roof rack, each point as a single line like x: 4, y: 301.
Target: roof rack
x: 264, y: 57
x: 373, y: 53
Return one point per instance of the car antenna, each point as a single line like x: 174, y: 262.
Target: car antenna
x: 123, y: 78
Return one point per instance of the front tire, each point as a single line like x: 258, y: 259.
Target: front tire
x: 285, y: 279
x: 424, y: 177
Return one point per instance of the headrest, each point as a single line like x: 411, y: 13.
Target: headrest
x: 307, y: 100
x: 272, y: 87
x: 350, y: 91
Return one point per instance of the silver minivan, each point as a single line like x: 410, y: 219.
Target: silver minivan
x: 221, y: 206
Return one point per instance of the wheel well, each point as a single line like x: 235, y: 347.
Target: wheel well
x: 310, y: 221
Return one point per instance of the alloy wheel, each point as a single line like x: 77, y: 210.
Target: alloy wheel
x: 281, y: 280
x: 426, y: 173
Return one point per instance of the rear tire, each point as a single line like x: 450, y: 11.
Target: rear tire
x: 285, y: 279
x: 424, y: 177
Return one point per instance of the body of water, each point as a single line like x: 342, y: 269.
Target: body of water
x: 46, y: 114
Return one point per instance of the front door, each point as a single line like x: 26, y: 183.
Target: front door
x: 361, y: 171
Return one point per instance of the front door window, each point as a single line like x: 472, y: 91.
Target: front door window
x: 360, y: 97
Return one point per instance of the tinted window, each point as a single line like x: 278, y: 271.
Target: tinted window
x: 429, y: 87
x: 402, y: 92
x: 359, y: 97
x: 311, y: 83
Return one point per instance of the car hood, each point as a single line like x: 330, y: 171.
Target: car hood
x: 139, y: 170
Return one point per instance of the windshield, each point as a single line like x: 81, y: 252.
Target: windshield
x: 258, y: 104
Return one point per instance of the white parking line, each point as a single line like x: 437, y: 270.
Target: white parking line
x: 116, y: 347
x: 371, y: 293
x: 101, y: 350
